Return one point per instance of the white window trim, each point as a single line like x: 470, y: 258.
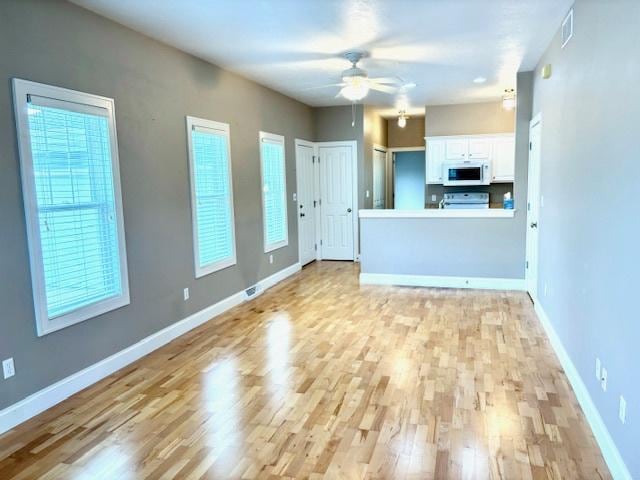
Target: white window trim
x: 224, y: 128
x: 272, y: 137
x: 22, y: 89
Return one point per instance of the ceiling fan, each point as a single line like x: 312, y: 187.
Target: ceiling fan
x: 356, y: 83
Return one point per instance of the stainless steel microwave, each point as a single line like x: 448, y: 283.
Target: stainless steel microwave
x: 467, y: 172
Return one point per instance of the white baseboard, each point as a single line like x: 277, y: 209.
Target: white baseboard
x: 609, y: 450
x: 59, y: 391
x: 442, y: 281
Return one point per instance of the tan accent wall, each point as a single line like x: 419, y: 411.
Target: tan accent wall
x: 468, y: 119
x: 410, y: 136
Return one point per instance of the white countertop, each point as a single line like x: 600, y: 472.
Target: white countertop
x: 439, y: 213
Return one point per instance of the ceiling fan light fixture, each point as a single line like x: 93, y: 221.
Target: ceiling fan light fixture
x: 356, y: 88
x: 509, y: 99
x: 402, y: 119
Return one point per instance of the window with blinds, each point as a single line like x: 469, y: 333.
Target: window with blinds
x: 211, y: 195
x: 72, y: 202
x: 274, y: 191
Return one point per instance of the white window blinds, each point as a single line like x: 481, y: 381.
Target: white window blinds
x: 211, y: 195
x: 72, y: 203
x: 274, y: 191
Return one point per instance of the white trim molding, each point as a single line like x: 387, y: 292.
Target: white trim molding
x: 608, y: 447
x: 438, y: 213
x: 484, y: 283
x: 46, y: 398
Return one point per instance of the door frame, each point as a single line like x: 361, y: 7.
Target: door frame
x: 385, y: 150
x: 533, y: 291
x: 392, y: 170
x: 353, y: 144
x: 306, y: 143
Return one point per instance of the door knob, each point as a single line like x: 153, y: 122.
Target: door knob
x: 348, y: 210
x: 302, y: 214
x: 534, y: 224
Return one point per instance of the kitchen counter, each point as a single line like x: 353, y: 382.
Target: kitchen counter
x: 439, y: 213
x: 442, y: 248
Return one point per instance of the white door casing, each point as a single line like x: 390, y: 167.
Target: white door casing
x: 306, y: 207
x: 533, y: 206
x: 379, y: 177
x: 338, y: 207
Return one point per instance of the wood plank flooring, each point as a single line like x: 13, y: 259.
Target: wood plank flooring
x: 322, y: 378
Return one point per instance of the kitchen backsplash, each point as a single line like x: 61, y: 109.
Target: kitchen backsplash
x: 496, y: 192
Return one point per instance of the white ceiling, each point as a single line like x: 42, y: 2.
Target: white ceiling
x: 295, y: 45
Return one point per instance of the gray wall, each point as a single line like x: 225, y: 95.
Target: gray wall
x: 154, y: 87
x: 589, y: 225
x: 334, y: 124
x: 458, y: 247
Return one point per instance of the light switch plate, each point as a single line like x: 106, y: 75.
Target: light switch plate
x: 186, y: 294
x: 8, y: 368
x: 270, y: 258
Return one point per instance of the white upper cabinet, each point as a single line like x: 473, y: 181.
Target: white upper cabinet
x: 480, y: 148
x: 498, y: 150
x: 503, y: 159
x: 457, y: 148
x: 435, y: 158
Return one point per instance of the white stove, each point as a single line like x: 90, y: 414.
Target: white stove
x: 466, y: 200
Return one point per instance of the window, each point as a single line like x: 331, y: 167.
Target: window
x: 211, y: 195
x: 274, y: 191
x: 73, y: 206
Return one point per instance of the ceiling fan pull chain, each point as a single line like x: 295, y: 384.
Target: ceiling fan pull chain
x: 353, y: 114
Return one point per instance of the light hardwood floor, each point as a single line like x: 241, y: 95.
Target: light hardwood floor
x: 322, y: 378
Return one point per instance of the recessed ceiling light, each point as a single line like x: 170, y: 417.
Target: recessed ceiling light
x: 479, y: 80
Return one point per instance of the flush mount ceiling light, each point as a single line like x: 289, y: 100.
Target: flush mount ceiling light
x: 509, y: 99
x: 479, y: 80
x: 402, y: 119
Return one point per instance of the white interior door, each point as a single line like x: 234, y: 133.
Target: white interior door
x: 379, y: 177
x: 337, y: 202
x: 305, y: 176
x: 533, y: 207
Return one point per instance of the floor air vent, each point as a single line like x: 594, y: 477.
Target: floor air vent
x: 251, y: 291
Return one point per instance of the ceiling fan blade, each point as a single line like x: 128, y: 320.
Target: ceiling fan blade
x: 394, y: 80
x: 326, y: 86
x: 382, y: 88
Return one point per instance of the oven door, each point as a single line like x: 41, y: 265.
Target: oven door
x: 465, y: 173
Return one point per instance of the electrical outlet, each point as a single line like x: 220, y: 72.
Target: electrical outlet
x: 434, y: 198
x: 603, y: 379
x: 8, y: 368
x: 367, y: 193
x: 295, y: 197
x: 598, y: 366
x: 270, y: 258
x: 186, y: 294
x: 622, y: 412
